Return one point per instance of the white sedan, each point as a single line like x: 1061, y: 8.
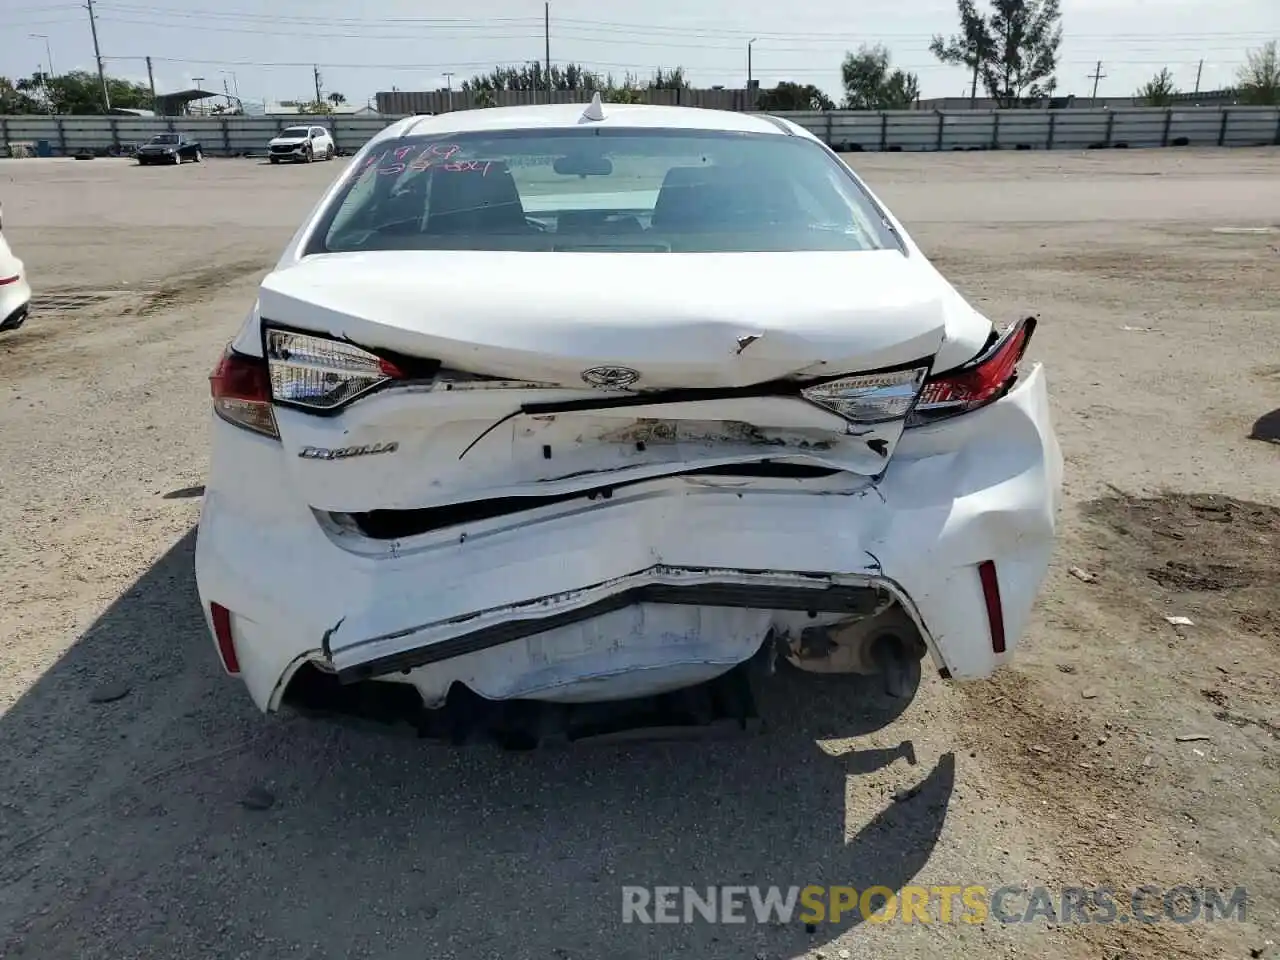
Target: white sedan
x: 15, y: 292
x: 545, y: 408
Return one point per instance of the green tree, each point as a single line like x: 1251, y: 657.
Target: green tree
x: 80, y: 92
x: 1013, y: 50
x: 794, y: 96
x: 533, y: 76
x: 1159, y: 90
x: 14, y: 101
x: 336, y: 98
x: 669, y: 80
x: 1260, y: 76
x: 629, y: 90
x: 870, y: 84
x: 970, y: 47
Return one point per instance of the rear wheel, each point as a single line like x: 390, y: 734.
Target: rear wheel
x: 328, y: 154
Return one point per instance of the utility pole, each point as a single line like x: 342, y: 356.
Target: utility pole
x: 750, y: 73
x: 1095, y: 77
x: 546, y: 35
x: 151, y: 79
x: 48, y: 51
x: 315, y: 72
x: 97, y: 53
x: 46, y: 72
x: 448, y: 82
x: 1198, y: 69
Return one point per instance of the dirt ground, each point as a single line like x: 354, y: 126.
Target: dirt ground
x: 1121, y: 750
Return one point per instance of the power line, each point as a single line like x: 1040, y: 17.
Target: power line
x: 57, y: 21
x: 570, y: 34
x: 289, y: 31
x: 461, y: 23
x: 439, y: 67
x: 607, y: 26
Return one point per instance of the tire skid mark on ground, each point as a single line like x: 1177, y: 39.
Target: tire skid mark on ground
x: 67, y: 342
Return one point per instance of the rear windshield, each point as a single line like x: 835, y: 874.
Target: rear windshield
x: 613, y: 189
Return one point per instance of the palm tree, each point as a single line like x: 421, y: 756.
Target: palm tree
x: 336, y: 99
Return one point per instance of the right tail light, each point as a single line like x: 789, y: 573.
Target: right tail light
x: 981, y: 381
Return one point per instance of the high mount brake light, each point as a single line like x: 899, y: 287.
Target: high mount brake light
x: 983, y: 380
x: 320, y: 374
x: 241, y: 390
x: 871, y: 397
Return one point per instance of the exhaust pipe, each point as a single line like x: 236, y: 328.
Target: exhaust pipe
x: 887, y: 644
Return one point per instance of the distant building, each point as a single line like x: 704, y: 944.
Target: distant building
x: 284, y: 108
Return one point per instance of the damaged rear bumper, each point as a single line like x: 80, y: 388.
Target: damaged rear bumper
x: 663, y: 585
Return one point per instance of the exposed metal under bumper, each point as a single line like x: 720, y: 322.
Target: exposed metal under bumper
x: 725, y: 706
x: 850, y: 599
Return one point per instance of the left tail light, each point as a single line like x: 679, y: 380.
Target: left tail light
x: 241, y: 389
x: 320, y: 374
x: 983, y: 380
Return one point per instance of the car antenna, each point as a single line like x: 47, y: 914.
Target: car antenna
x: 594, y: 111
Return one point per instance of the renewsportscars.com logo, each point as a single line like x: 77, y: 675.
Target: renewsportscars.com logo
x: 971, y: 903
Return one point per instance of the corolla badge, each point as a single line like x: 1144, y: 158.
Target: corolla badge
x: 342, y: 453
x: 610, y: 377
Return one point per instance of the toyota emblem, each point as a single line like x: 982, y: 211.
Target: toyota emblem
x: 610, y: 377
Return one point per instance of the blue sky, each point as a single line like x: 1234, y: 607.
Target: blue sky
x: 265, y: 50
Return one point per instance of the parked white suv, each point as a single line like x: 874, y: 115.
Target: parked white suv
x: 15, y: 293
x: 302, y: 143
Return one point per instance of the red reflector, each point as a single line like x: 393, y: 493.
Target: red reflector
x: 995, y: 611
x: 221, y: 617
x: 14, y: 279
x: 389, y: 369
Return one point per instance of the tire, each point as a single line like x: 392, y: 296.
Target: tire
x: 308, y: 155
x: 328, y: 154
x: 177, y: 159
x: 198, y: 157
x: 274, y: 160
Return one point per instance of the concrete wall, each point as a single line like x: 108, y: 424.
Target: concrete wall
x: 905, y: 130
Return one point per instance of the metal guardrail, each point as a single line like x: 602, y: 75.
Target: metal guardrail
x: 908, y: 130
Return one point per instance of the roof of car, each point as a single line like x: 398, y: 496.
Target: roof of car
x: 561, y: 115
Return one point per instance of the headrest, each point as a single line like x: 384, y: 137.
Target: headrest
x: 722, y: 197
x: 469, y: 198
